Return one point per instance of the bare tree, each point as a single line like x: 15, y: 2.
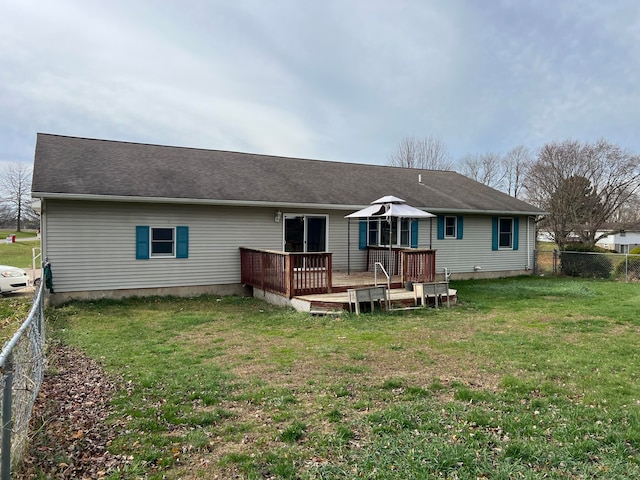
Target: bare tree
x: 486, y: 168
x: 515, y: 164
x: 428, y: 153
x: 628, y: 216
x: 15, y: 185
x: 582, y: 186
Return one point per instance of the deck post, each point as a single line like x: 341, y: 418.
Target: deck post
x: 289, y: 275
x: 263, y: 269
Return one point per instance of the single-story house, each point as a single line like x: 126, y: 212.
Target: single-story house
x: 621, y: 241
x: 121, y: 219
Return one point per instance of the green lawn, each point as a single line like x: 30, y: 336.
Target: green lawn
x: 23, y: 234
x: 13, y: 309
x: 526, y: 378
x: 18, y: 254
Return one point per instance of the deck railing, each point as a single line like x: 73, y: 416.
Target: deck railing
x: 418, y: 265
x: 286, y: 273
x: 415, y: 265
x: 381, y: 255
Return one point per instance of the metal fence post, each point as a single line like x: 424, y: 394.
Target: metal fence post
x: 626, y: 268
x: 7, y: 422
x: 23, y: 357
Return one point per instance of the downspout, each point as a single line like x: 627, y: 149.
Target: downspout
x: 528, y: 266
x: 43, y: 231
x: 348, y: 246
x: 430, y: 233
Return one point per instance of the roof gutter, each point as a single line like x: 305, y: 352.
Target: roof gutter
x: 187, y: 201
x: 252, y: 203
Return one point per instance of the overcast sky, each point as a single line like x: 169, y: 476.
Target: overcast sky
x: 340, y: 80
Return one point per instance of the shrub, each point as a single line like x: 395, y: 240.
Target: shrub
x: 591, y: 264
x: 629, y: 267
x: 583, y: 247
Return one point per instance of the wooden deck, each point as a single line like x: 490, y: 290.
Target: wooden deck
x: 338, y: 300
x: 293, y: 274
x: 343, y: 280
x: 399, y: 297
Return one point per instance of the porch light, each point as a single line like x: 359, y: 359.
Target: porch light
x: 278, y: 217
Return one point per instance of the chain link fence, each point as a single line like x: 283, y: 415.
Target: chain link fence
x: 22, y: 364
x: 615, y: 266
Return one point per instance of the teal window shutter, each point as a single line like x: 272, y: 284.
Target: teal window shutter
x: 362, y: 245
x: 459, y: 227
x: 414, y: 233
x: 440, y: 227
x: 182, y: 242
x: 516, y: 231
x: 142, y: 242
x: 494, y: 233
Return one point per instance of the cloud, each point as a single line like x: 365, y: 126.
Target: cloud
x: 340, y: 80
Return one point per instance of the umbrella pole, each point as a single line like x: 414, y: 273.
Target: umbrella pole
x: 391, y: 262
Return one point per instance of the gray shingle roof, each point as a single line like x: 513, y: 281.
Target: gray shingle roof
x: 82, y: 167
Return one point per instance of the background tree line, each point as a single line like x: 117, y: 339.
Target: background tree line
x: 586, y: 188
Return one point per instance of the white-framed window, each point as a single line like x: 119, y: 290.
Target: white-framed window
x: 162, y: 242
x: 382, y: 233
x: 405, y: 231
x: 505, y: 232
x: 450, y: 227
x: 374, y: 233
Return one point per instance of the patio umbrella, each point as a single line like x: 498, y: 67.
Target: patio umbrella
x: 387, y: 207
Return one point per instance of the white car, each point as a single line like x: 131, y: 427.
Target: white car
x: 12, y: 278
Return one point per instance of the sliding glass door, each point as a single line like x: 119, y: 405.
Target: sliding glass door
x: 305, y: 233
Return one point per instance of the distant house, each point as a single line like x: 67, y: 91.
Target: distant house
x: 621, y: 242
x: 121, y: 219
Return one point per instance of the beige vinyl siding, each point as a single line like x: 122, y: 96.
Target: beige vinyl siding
x: 91, y: 245
x: 474, y: 249
x: 342, y: 239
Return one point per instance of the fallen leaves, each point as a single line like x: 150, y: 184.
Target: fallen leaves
x: 71, y: 431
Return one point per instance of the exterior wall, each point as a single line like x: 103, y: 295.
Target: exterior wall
x: 92, y: 246
x: 346, y: 254
x: 461, y: 256
x: 474, y: 249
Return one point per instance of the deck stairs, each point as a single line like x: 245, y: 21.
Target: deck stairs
x: 337, y: 303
